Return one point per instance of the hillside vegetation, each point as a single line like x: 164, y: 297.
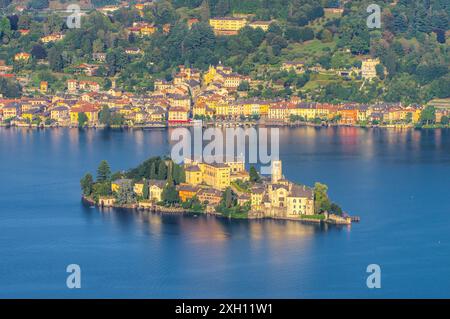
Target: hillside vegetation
x: 411, y: 45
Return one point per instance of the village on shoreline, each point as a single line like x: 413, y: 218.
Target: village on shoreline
x: 216, y: 97
x: 219, y: 189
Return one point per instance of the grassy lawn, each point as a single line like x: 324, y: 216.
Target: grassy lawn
x: 317, y: 25
x: 239, y: 188
x: 306, y: 51
x: 318, y: 80
x: 317, y: 216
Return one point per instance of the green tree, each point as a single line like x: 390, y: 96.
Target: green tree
x: 145, y: 190
x: 125, y: 194
x: 162, y: 171
x: 55, y: 59
x: 445, y: 120
x: 101, y: 189
x: 428, y: 115
x: 87, y: 183
x: 380, y: 71
x: 170, y: 195
x: 103, y: 171
x: 82, y: 119
x: 105, y: 116
x: 254, y: 176
x: 321, y: 201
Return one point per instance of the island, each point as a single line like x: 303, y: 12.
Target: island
x: 222, y: 189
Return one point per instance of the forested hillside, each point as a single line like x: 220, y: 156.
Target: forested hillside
x: 412, y: 45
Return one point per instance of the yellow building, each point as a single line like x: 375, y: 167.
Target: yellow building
x: 60, y: 114
x: 43, y: 86
x: 260, y: 24
x: 155, y: 190
x: 227, y: 25
x: 256, y: 197
x: 52, y: 37
x: 278, y: 112
x: 178, y: 115
x: 186, y: 192
x: 193, y: 175
x: 216, y: 175
x: 208, y: 77
x: 90, y: 110
x: 138, y: 188
x: 300, y: 201
x: 147, y: 30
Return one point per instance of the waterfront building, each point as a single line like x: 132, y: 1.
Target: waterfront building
x: 300, y: 201
x: 186, y: 192
x: 90, y: 110
x: 278, y: 112
x: 178, y: 115
x: 155, y: 190
x: 60, y: 114
x: 210, y: 195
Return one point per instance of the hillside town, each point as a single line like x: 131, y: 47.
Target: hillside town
x: 212, y: 96
x: 130, y: 77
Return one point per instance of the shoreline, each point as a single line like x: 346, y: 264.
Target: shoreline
x: 156, y: 209
x: 231, y: 125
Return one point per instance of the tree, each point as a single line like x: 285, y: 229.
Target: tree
x: 162, y: 171
x: 101, y: 189
x: 125, y: 194
x: 243, y: 86
x: 445, y: 120
x: 38, y: 4
x: 87, y: 183
x: 428, y: 115
x: 5, y: 28
x: 38, y: 52
x: 229, y: 198
x: 82, y: 119
x: 321, y: 201
x: 170, y: 195
x: 145, y: 190
x: 178, y: 175
x: 103, y: 171
x: 380, y: 71
x: 254, y: 176
x: 335, y: 209
x: 10, y: 88
x: 105, y: 116
x: 55, y: 59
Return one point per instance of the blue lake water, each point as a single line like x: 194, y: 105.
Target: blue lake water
x: 397, y: 181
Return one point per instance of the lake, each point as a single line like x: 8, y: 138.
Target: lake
x: 397, y: 181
